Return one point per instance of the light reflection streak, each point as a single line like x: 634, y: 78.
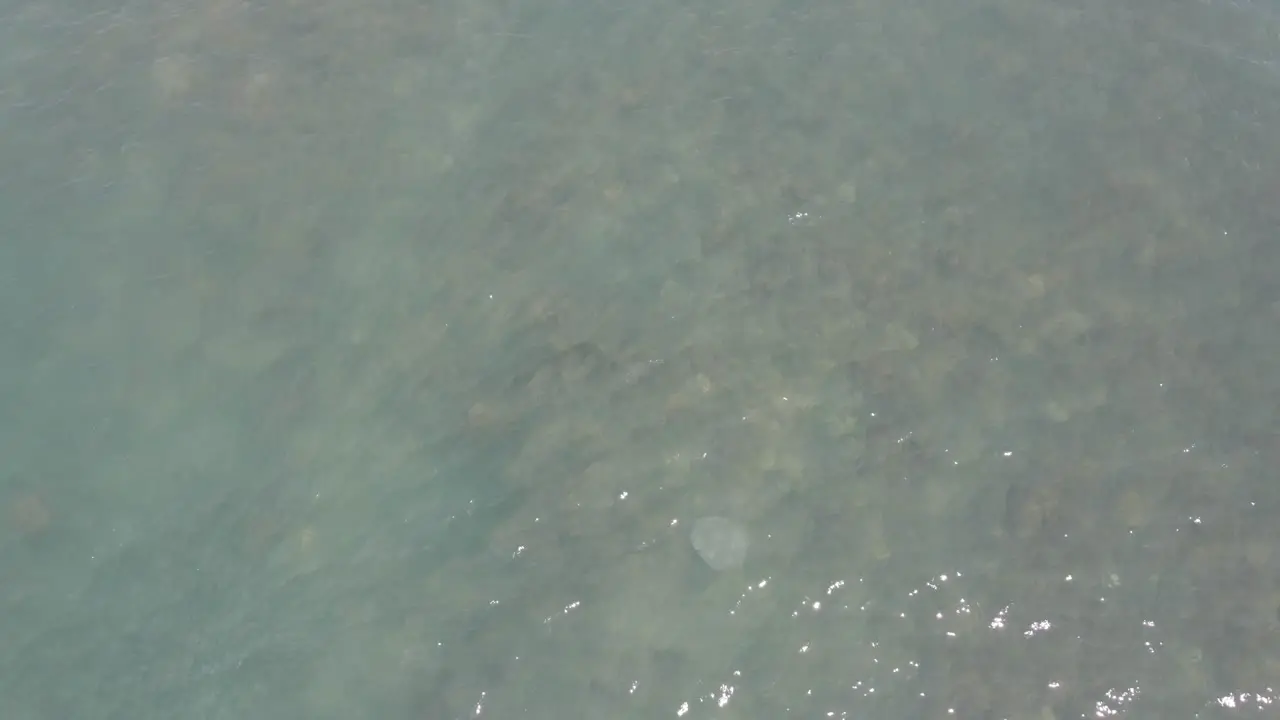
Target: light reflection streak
x: 880, y: 668
x: 1266, y: 699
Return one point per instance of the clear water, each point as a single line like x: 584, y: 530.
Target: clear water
x: 374, y: 360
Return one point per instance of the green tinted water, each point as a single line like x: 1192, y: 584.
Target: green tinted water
x: 377, y: 360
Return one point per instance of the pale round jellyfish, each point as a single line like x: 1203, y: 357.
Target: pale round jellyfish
x: 721, y: 542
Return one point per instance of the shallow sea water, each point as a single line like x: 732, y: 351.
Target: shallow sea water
x: 435, y: 360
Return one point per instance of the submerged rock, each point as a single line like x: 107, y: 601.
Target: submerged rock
x: 721, y: 542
